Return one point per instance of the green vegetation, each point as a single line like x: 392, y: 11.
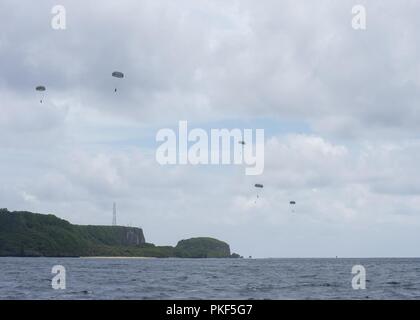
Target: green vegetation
x: 33, y: 234
x: 202, y: 248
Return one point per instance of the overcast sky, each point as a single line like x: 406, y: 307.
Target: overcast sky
x: 339, y: 107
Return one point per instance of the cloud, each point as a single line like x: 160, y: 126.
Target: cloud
x: 212, y: 60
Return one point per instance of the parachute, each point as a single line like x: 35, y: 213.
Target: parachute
x: 292, y: 204
x: 259, y: 186
x: 41, y: 90
x: 119, y: 75
x: 241, y: 151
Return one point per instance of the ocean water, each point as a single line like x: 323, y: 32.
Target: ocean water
x: 30, y: 278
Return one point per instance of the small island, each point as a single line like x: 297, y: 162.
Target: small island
x: 27, y: 234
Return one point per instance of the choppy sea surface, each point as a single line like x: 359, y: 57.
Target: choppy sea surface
x: 31, y: 278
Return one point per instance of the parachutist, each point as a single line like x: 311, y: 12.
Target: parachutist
x: 118, y: 75
x: 40, y: 89
x: 258, y: 185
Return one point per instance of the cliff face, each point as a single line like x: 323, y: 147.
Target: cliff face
x: 134, y: 237
x: 114, y: 235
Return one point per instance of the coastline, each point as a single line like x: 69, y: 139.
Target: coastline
x: 116, y: 257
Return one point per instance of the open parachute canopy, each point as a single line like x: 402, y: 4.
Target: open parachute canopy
x: 257, y: 185
x: 292, y: 202
x: 40, y: 90
x: 118, y: 74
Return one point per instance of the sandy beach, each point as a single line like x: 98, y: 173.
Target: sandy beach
x: 119, y: 257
